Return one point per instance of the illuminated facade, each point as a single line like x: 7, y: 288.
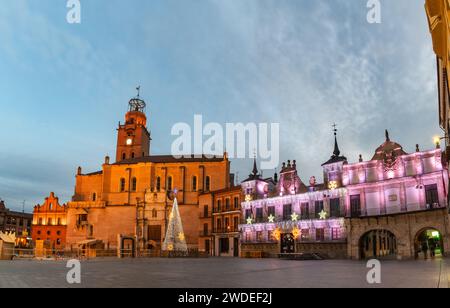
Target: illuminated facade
x: 16, y: 222
x: 49, y: 222
x: 438, y: 14
x: 126, y: 204
x: 376, y: 208
x: 286, y: 216
x: 226, y: 219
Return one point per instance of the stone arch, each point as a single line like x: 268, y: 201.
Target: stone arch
x: 377, y: 243
x: 423, y: 248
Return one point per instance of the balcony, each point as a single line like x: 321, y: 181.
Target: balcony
x: 226, y: 230
x: 205, y: 234
x: 204, y: 215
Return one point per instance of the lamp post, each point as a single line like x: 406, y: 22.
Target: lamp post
x: 141, y: 221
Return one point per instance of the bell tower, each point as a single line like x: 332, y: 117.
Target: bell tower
x: 133, y: 138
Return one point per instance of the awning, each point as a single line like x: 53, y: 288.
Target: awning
x: 88, y: 242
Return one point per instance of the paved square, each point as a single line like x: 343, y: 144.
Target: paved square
x: 222, y: 273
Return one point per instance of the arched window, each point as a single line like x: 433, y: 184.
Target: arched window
x: 169, y: 183
x: 194, y: 183
x: 51, y: 206
x: 132, y: 154
x: 154, y: 213
x: 158, y: 183
x: 134, y: 184
x: 124, y: 156
x: 208, y: 183
x: 94, y: 197
x: 122, y: 184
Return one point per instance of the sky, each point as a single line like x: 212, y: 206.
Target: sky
x: 301, y: 63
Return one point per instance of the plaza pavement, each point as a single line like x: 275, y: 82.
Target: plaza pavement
x: 223, y: 273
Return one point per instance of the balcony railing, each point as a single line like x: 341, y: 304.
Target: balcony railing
x: 204, y: 215
x: 226, y: 230
x: 205, y: 233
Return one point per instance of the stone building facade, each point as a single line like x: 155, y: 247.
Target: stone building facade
x: 130, y: 200
x: 226, y: 220
x: 50, y: 222
x: 15, y: 222
x: 393, y: 206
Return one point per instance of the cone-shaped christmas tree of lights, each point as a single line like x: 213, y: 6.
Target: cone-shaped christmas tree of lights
x: 175, y: 240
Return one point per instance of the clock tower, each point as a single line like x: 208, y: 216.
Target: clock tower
x: 133, y: 138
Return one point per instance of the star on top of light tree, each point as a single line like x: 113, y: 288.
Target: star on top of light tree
x: 271, y: 218
x: 249, y: 221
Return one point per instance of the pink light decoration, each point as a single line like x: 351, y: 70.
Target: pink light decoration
x: 391, y: 174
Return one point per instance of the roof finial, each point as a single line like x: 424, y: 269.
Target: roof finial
x: 387, y: 136
x: 255, y: 168
x: 138, y: 88
x: 336, y: 151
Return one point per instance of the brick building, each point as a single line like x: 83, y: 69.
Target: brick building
x: 50, y: 222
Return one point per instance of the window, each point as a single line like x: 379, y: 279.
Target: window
x: 431, y: 195
x: 50, y: 221
x: 304, y: 209
x: 58, y: 233
x: 51, y: 207
x: 194, y: 183
x: 59, y: 222
x: 158, y: 183
x: 39, y: 232
x: 355, y: 205
x: 236, y: 202
x: 82, y: 218
x: 132, y: 155
x: 134, y: 184
x: 248, y: 213
x: 169, y: 183
x: 94, y: 197
x: 335, y: 234
x: 41, y: 222
x: 91, y: 230
x: 122, y: 185
x: 219, y: 205
x: 227, y: 204
x: 205, y: 211
x: 207, y: 183
x: 335, y: 208
x: 227, y: 223
x: 320, y: 234
x: 219, y: 224
x: 318, y: 207
x: 287, y: 211
x: 259, y: 215
x: 205, y: 229
x: 271, y: 210
x: 235, y: 223
x: 124, y: 156
x: 154, y: 213
x: 58, y: 241
x: 259, y: 236
x: 49, y: 232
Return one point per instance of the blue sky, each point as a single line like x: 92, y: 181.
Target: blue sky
x: 302, y: 63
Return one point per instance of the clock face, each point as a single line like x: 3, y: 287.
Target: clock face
x: 129, y: 141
